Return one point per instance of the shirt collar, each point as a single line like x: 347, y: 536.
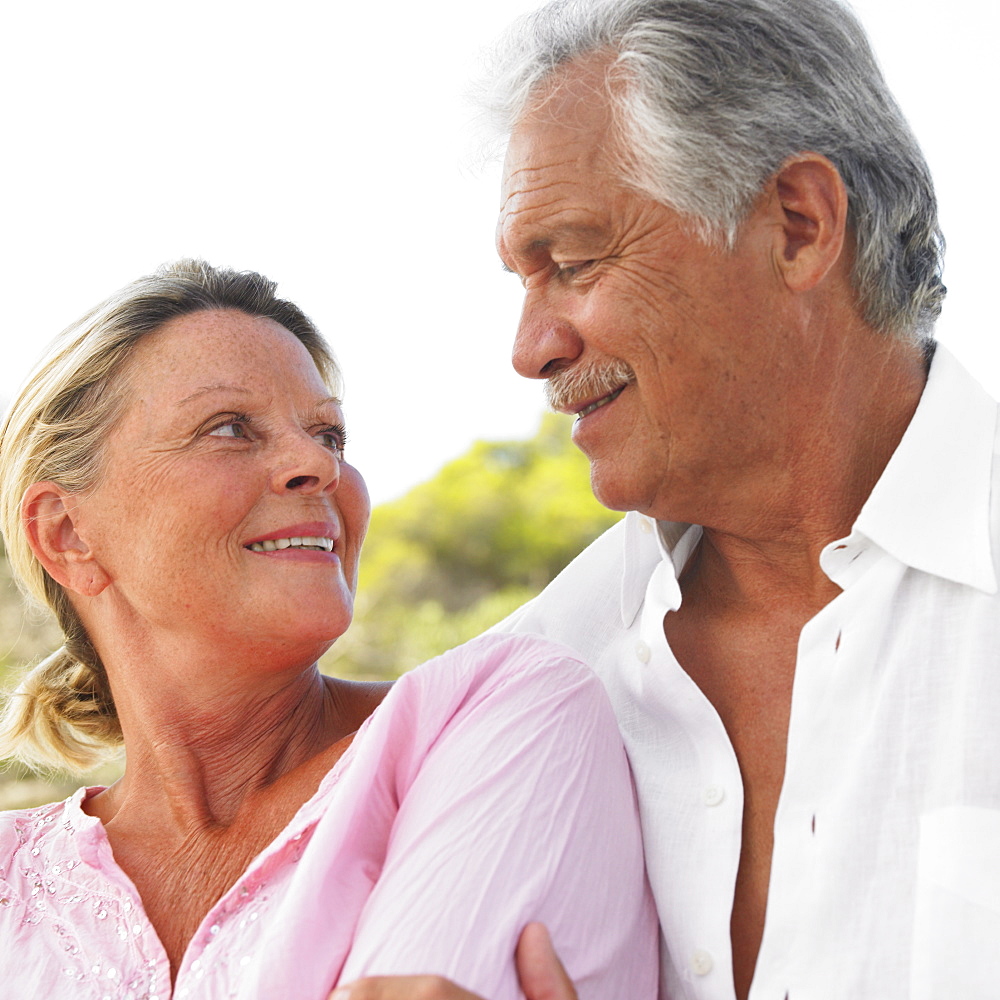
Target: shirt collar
x: 931, y: 507
x: 647, y: 542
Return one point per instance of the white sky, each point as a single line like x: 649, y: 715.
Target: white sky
x: 323, y: 143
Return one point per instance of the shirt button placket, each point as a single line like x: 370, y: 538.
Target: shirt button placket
x: 713, y: 795
x: 701, y: 962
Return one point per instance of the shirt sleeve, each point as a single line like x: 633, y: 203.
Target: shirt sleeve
x: 521, y: 808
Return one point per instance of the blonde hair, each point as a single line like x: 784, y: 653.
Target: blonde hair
x: 62, y: 714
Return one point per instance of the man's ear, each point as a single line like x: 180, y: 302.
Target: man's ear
x: 49, y: 514
x: 811, y: 202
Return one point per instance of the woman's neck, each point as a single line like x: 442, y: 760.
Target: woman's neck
x: 200, y: 757
x: 210, y: 783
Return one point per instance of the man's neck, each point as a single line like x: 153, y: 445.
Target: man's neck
x: 765, y: 534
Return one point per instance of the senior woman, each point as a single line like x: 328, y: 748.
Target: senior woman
x: 173, y: 485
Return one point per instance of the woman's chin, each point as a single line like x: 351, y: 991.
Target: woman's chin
x: 301, y: 633
x: 325, y: 624
x: 325, y: 611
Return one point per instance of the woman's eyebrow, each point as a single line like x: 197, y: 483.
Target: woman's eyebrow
x: 218, y: 387
x: 223, y: 387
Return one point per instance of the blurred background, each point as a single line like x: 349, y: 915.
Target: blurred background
x: 329, y: 146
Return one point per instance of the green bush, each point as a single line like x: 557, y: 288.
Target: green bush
x: 467, y: 547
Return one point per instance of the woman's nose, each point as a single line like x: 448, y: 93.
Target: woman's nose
x: 310, y: 468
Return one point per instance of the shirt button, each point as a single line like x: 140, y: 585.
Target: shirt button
x: 642, y: 651
x: 645, y: 526
x: 714, y: 794
x: 701, y: 962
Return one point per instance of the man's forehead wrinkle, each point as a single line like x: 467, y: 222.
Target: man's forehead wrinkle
x: 562, y: 167
x: 537, y: 184
x: 554, y: 208
x: 556, y: 212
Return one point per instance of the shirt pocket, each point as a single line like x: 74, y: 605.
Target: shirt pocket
x: 956, y: 932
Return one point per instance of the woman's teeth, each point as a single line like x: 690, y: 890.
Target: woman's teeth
x: 308, y: 542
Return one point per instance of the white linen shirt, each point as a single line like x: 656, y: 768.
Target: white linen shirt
x: 885, y: 880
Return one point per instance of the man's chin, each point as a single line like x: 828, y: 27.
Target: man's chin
x: 611, y: 490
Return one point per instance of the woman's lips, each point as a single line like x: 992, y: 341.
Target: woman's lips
x: 311, y: 536
x: 314, y: 543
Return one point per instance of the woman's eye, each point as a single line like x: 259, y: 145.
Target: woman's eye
x: 332, y: 439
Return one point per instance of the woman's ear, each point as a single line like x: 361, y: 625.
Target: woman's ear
x: 811, y: 204
x: 49, y: 514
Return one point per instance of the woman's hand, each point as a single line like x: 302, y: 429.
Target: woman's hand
x: 538, y: 967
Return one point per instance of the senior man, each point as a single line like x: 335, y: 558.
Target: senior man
x: 728, y: 242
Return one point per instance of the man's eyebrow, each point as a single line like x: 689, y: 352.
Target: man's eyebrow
x: 218, y: 387
x: 568, y: 232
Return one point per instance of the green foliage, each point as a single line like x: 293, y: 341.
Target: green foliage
x: 461, y: 551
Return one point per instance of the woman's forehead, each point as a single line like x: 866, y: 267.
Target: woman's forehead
x: 197, y: 352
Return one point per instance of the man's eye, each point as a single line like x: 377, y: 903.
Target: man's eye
x: 569, y: 268
x: 231, y: 429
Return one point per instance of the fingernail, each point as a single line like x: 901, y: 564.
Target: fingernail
x: 341, y: 993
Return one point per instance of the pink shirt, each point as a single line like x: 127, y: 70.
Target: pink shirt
x: 489, y: 789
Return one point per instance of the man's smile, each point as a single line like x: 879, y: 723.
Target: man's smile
x: 604, y: 400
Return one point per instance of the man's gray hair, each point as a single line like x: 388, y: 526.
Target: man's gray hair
x: 710, y: 97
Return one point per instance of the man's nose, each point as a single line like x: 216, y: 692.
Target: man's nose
x: 545, y: 342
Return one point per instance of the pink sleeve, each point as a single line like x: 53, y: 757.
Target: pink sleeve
x: 521, y: 809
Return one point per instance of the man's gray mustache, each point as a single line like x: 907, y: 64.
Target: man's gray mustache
x: 585, y: 382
